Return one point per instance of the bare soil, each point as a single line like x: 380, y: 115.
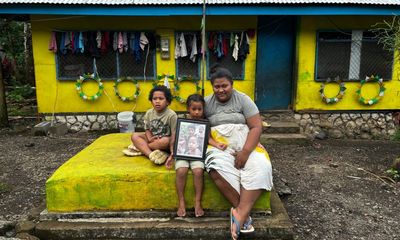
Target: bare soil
x: 332, y: 189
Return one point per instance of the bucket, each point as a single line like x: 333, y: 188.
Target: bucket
x: 126, y: 122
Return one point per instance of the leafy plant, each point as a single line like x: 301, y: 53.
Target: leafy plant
x: 396, y: 135
x: 393, y: 173
x: 19, y: 93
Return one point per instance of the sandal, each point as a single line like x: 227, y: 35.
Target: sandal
x: 131, y: 153
x: 158, y: 157
x: 133, y: 148
x: 247, y: 226
x: 236, y: 222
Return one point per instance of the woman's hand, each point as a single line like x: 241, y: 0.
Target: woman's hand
x: 241, y: 158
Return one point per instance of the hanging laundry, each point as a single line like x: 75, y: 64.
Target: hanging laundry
x: 125, y: 41
x: 132, y: 42
x: 63, y: 49
x: 218, y: 50
x: 68, y: 40
x: 98, y: 39
x: 152, y: 40
x: 120, y: 43
x: 92, y: 44
x: 143, y: 40
x: 53, y: 42
x: 105, y: 42
x: 193, y: 52
x: 138, y: 50
x: 232, y: 39
x: 166, y: 82
x: 81, y: 43
x: 115, y: 41
x: 211, y: 41
x: 177, y: 47
x: 235, y: 48
x: 76, y: 48
x: 225, y: 45
x: 182, y: 42
x: 244, y: 48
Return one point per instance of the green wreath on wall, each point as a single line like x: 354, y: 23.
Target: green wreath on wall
x: 163, y: 76
x: 177, y: 87
x: 87, y: 77
x: 375, y: 99
x: 338, y: 96
x: 129, y: 98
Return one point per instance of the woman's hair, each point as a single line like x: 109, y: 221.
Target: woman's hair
x: 161, y: 88
x: 195, y: 98
x: 217, y: 71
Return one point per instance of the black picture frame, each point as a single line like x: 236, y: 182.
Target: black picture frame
x: 187, y: 131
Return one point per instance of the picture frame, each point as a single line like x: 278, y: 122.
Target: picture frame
x: 191, y: 139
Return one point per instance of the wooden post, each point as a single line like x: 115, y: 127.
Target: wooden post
x: 3, y: 105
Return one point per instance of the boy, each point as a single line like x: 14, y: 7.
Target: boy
x: 159, y: 124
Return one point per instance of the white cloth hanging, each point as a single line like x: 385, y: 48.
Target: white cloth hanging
x: 183, y: 49
x: 143, y: 40
x: 98, y: 39
x: 125, y: 41
x: 166, y: 82
x: 235, y: 51
x: 194, y: 49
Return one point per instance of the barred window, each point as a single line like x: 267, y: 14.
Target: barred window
x: 187, y: 66
x: 351, y: 55
x: 109, y: 64
x: 236, y: 67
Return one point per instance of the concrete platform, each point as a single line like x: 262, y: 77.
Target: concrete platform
x: 101, y: 178
x: 159, y: 225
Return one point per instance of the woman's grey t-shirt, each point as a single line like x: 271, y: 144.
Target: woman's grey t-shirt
x: 236, y: 110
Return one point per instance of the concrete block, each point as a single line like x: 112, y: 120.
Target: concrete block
x: 25, y: 227
x: 41, y: 129
x: 58, y: 129
x: 102, y: 178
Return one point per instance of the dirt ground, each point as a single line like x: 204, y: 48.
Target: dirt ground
x: 331, y: 189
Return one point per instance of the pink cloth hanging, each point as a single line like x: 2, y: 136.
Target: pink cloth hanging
x: 120, y: 43
x: 53, y: 42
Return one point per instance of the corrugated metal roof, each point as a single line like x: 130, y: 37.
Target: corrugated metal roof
x: 187, y: 2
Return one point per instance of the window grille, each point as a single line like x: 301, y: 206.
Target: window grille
x: 235, y: 67
x: 351, y: 56
x: 109, y: 65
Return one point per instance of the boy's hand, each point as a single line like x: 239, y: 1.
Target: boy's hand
x: 168, y: 163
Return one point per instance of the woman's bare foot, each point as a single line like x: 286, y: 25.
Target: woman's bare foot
x: 181, y: 210
x: 198, y: 210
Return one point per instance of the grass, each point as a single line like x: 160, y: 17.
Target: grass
x: 396, y: 136
x: 4, y: 187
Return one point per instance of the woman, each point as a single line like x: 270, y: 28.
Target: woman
x: 243, y: 171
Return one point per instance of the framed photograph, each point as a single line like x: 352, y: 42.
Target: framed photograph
x: 191, y: 139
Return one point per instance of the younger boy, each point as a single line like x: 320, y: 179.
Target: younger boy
x: 159, y: 124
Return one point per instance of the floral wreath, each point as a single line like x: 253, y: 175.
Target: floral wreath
x: 163, y: 76
x: 177, y: 87
x: 86, y: 77
x: 377, y: 97
x: 338, y: 96
x: 129, y: 98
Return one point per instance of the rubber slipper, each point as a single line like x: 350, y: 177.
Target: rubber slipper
x: 130, y: 153
x: 265, y: 124
x: 133, y: 148
x: 247, y: 226
x: 234, y: 221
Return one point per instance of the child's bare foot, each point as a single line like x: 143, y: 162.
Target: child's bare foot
x: 198, y: 210
x: 181, y: 210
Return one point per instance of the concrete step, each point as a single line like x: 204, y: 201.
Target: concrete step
x: 278, y: 115
x: 160, y: 225
x: 284, y: 138
x: 282, y: 127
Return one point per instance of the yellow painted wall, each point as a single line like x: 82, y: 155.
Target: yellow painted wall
x: 307, y: 92
x: 61, y: 96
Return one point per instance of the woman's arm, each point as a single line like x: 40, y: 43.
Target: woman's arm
x: 255, y: 129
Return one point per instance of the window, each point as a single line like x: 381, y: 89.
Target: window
x: 185, y: 66
x: 228, y: 61
x: 110, y: 64
x: 351, y: 55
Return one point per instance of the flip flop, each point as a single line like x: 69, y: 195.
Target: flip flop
x: 247, y: 226
x: 133, y: 148
x: 236, y: 222
x: 131, y: 153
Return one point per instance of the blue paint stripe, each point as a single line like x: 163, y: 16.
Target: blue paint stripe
x: 197, y: 10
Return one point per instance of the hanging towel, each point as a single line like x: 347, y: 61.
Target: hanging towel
x: 125, y: 41
x: 177, y: 47
x: 68, y: 40
x: 235, y: 48
x: 53, y: 42
x: 98, y: 39
x: 193, y: 53
x: 132, y: 42
x: 81, y: 43
x: 182, y: 42
x: 115, y: 41
x: 76, y: 48
x: 143, y: 40
x: 244, y: 46
x: 120, y: 42
x: 225, y: 45
x: 63, y: 49
x: 105, y: 42
x: 138, y: 50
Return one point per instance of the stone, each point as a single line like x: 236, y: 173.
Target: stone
x: 351, y: 125
x: 325, y: 124
x: 81, y: 118
x: 389, y: 117
x: 391, y: 132
x: 111, y: 118
x: 335, y: 133
x: 303, y: 122
x: 95, y: 126
x: 359, y: 121
x: 58, y: 129
x: 86, y: 126
x: 314, y: 116
x: 297, y: 116
x: 41, y: 129
x: 76, y: 127
x: 321, y: 135
x: 381, y: 123
x: 354, y: 116
x: 6, y: 226
x: 306, y: 116
x: 338, y: 122
x: 101, y: 118
x: 92, y: 118
x: 375, y: 133
x: 333, y: 116
x: 25, y: 227
x: 71, y: 119
x: 365, y: 128
x: 366, y: 116
x: 26, y: 236
x: 61, y: 119
x: 345, y: 117
x: 365, y: 136
x: 375, y: 116
x: 113, y: 124
x: 371, y: 123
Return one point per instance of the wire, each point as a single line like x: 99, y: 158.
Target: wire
x: 54, y: 105
x: 55, y: 19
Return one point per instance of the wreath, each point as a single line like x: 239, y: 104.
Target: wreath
x: 177, y: 87
x: 163, y: 76
x: 377, y: 97
x: 87, y: 77
x: 129, y: 98
x: 338, y: 96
